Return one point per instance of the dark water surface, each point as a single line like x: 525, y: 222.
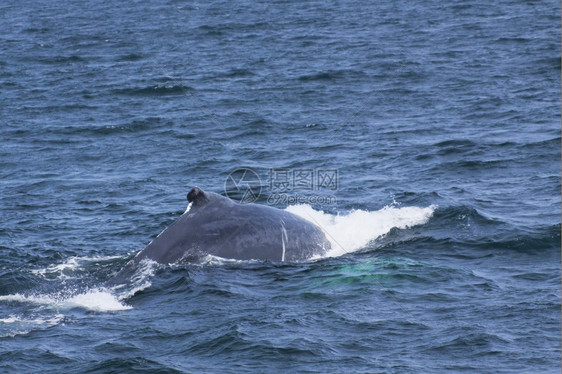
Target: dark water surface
x: 440, y: 119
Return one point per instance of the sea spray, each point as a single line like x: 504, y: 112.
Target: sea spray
x: 353, y: 231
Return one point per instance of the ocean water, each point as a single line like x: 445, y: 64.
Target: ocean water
x: 423, y: 137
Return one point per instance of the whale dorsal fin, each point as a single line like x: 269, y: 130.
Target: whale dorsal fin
x: 197, y: 196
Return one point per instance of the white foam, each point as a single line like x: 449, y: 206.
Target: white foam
x: 44, y: 320
x: 20, y: 325
x: 351, y: 232
x: 140, y: 280
x: 10, y: 319
x: 218, y: 261
x: 72, y: 264
x: 98, y: 299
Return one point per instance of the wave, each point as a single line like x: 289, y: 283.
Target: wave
x: 138, y: 281
x: 156, y: 90
x: 71, y: 275
x: 72, y: 268
x: 330, y: 75
x: 43, y: 309
x: 15, y: 324
x: 353, y: 231
x: 56, y: 60
x: 95, y: 299
x: 236, y: 73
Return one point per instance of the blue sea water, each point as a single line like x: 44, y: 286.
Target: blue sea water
x: 424, y: 137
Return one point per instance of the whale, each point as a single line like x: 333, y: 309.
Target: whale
x: 216, y: 225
